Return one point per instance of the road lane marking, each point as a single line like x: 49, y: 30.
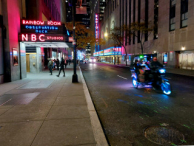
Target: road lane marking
x: 122, y: 77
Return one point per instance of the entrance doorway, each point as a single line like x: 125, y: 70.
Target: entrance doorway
x: 28, y: 62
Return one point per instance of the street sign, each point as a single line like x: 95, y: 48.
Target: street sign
x: 70, y: 39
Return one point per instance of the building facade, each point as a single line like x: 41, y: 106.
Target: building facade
x: 96, y: 18
x: 171, y: 39
x: 14, y: 54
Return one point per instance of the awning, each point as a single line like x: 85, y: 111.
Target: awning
x: 49, y: 44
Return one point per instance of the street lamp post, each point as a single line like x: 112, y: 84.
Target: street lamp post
x: 114, y: 54
x: 74, y: 77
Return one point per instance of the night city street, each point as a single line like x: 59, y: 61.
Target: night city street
x: 96, y: 72
x: 125, y: 112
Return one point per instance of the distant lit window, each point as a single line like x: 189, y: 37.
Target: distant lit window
x: 172, y: 14
x: 184, y: 13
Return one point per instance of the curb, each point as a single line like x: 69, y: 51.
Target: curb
x: 96, y: 126
x: 182, y: 74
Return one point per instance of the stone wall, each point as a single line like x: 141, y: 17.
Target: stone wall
x: 172, y: 42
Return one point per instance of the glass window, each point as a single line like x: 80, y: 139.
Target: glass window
x: 129, y: 21
x: 156, y: 5
x: 134, y: 18
x: 146, y: 18
x: 172, y: 14
x: 184, y: 13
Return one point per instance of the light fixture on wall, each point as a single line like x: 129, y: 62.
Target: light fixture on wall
x: 106, y: 34
x: 182, y: 48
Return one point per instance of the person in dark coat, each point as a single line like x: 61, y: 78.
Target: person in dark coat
x: 61, y: 68
x: 155, y: 64
x: 50, y: 65
x: 65, y: 62
x: 57, y: 63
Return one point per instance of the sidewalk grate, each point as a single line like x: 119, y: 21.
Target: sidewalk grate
x: 164, y: 135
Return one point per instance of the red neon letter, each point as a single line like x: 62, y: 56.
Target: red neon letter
x: 24, y: 38
x: 42, y: 40
x: 33, y: 37
x: 23, y: 21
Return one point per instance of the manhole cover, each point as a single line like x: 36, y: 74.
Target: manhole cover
x: 164, y: 135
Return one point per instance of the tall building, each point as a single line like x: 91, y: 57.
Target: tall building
x: 171, y: 38
x: 25, y: 45
x: 96, y: 18
x: 82, y: 15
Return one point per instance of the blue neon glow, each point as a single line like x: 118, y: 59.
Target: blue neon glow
x: 67, y: 32
x: 166, y: 88
x: 41, y: 29
x: 167, y: 93
x: 162, y: 71
x: 134, y: 83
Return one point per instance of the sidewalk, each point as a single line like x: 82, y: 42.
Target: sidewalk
x: 45, y: 110
x: 184, y: 72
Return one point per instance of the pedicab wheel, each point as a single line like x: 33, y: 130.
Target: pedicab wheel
x: 135, y: 83
x: 166, y: 88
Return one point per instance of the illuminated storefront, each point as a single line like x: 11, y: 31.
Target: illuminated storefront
x: 110, y: 55
x: 40, y: 40
x: 12, y: 49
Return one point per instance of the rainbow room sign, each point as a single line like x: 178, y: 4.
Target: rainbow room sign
x: 45, y: 27
x: 42, y: 31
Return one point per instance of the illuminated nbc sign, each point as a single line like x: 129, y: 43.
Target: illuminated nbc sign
x: 42, y: 31
x: 40, y: 38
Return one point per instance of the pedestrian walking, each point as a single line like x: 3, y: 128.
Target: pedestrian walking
x: 65, y: 62
x: 57, y: 63
x: 50, y: 65
x: 54, y: 64
x: 61, y: 68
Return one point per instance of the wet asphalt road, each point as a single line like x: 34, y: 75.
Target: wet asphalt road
x: 125, y: 112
